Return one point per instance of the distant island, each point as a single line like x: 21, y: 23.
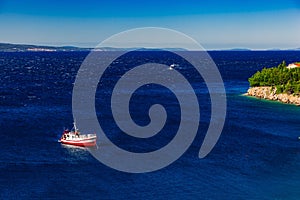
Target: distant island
x: 7, y: 47
x: 281, y: 83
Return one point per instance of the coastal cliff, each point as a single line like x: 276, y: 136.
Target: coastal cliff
x: 269, y: 93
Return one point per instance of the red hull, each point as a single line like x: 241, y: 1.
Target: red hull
x: 79, y: 144
x: 75, y: 138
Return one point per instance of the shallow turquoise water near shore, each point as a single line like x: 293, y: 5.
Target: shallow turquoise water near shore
x: 257, y: 156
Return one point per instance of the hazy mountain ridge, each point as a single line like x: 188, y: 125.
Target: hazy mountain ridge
x: 8, y: 47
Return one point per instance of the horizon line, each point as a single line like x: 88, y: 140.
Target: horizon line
x: 235, y: 48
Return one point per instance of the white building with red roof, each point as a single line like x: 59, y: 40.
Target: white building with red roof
x: 293, y: 65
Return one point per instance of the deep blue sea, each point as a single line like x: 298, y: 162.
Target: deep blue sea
x: 256, y: 157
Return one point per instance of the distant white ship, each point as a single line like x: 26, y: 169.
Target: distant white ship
x: 171, y: 67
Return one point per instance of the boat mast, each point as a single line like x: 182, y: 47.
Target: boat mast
x: 74, y: 123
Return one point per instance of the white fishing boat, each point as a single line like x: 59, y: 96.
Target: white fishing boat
x: 75, y: 138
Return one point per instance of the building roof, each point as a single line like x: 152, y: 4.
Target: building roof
x: 293, y: 65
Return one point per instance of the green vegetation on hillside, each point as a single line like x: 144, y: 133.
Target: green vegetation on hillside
x: 284, y: 79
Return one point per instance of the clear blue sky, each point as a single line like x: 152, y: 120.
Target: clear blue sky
x: 257, y: 24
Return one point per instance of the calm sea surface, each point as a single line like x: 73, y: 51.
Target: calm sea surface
x: 257, y: 156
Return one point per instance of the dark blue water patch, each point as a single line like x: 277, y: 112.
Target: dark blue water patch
x: 257, y: 156
x: 38, y: 77
x: 154, y: 94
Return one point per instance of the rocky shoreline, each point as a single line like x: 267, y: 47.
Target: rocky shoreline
x: 269, y: 93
